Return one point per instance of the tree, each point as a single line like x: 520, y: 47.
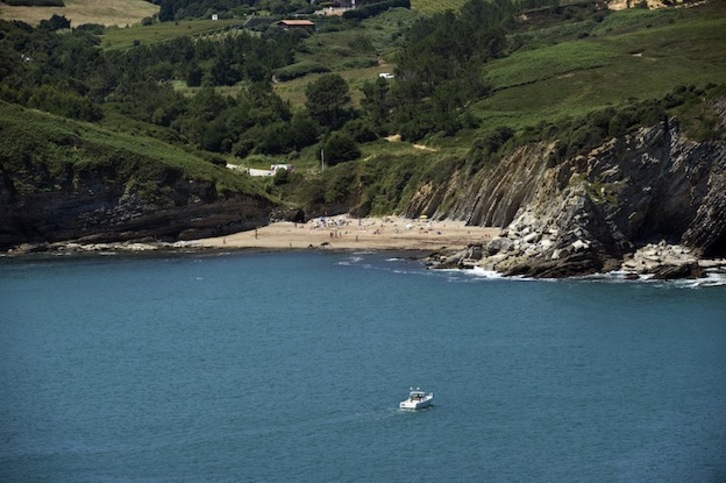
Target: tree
x: 377, y: 102
x: 194, y: 75
x: 56, y: 22
x: 304, y: 130
x: 166, y: 12
x: 340, y: 147
x: 327, y: 100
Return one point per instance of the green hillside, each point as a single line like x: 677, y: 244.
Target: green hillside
x: 433, y: 6
x: 53, y: 145
x: 622, y: 60
x: 124, y: 38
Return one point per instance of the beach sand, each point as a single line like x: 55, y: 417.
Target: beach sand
x: 345, y: 233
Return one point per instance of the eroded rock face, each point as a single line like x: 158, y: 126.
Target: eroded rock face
x: 587, y: 213
x: 95, y: 208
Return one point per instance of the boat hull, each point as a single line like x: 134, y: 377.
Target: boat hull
x: 417, y: 403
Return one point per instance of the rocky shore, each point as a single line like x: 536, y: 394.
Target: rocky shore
x: 651, y: 203
x: 516, y: 251
x: 509, y: 257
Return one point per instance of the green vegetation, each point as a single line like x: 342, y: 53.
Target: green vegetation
x: 575, y: 77
x: 470, y: 82
x: 117, y: 38
x: 172, y: 10
x: 300, y: 69
x: 437, y: 6
x: 531, y: 66
x: 49, y: 146
x: 375, y: 8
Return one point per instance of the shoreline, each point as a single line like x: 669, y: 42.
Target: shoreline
x: 333, y: 233
x: 449, y: 241
x: 345, y: 233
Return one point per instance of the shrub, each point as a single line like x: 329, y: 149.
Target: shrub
x: 300, y: 69
x: 360, y: 130
x: 281, y: 177
x: 56, y: 22
x: 338, y: 185
x: 340, y: 147
x: 374, y: 9
x: 91, y: 28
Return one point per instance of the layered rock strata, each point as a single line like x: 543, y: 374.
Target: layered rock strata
x: 592, y: 212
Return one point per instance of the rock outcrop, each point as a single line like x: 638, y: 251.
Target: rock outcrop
x: 590, y: 213
x: 93, y: 207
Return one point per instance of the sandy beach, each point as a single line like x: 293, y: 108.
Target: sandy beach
x: 344, y: 233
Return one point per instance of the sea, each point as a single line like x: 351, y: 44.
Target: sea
x: 289, y: 366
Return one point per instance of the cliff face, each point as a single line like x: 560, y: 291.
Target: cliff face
x: 98, y: 205
x: 587, y: 213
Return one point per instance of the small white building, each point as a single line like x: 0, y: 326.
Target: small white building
x: 276, y: 167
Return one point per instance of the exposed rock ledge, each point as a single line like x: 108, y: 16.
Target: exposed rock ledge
x: 600, y: 212
x: 654, y: 261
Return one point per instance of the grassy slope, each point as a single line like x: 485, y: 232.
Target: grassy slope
x: 105, y: 12
x: 159, y: 32
x: 434, y: 6
x: 357, y: 55
x: 56, y: 142
x: 623, y: 59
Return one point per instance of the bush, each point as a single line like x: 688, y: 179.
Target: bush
x: 64, y: 103
x: 281, y: 177
x: 486, y: 148
x: 56, y: 22
x: 300, y: 69
x: 360, y: 130
x: 374, y: 9
x: 92, y: 28
x: 340, y: 147
x: 338, y: 185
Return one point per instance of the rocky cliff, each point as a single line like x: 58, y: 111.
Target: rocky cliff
x: 94, y: 204
x: 592, y: 212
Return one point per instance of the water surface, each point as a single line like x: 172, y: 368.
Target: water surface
x: 271, y: 367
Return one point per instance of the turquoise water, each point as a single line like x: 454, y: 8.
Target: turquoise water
x: 290, y: 366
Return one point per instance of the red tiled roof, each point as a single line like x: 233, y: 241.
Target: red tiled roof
x: 297, y: 23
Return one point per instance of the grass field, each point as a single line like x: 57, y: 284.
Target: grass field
x: 573, y: 78
x: 159, y: 32
x: 294, y: 90
x: 434, y: 6
x: 357, y: 55
x: 105, y: 12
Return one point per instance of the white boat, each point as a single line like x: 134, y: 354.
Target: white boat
x: 417, y: 399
